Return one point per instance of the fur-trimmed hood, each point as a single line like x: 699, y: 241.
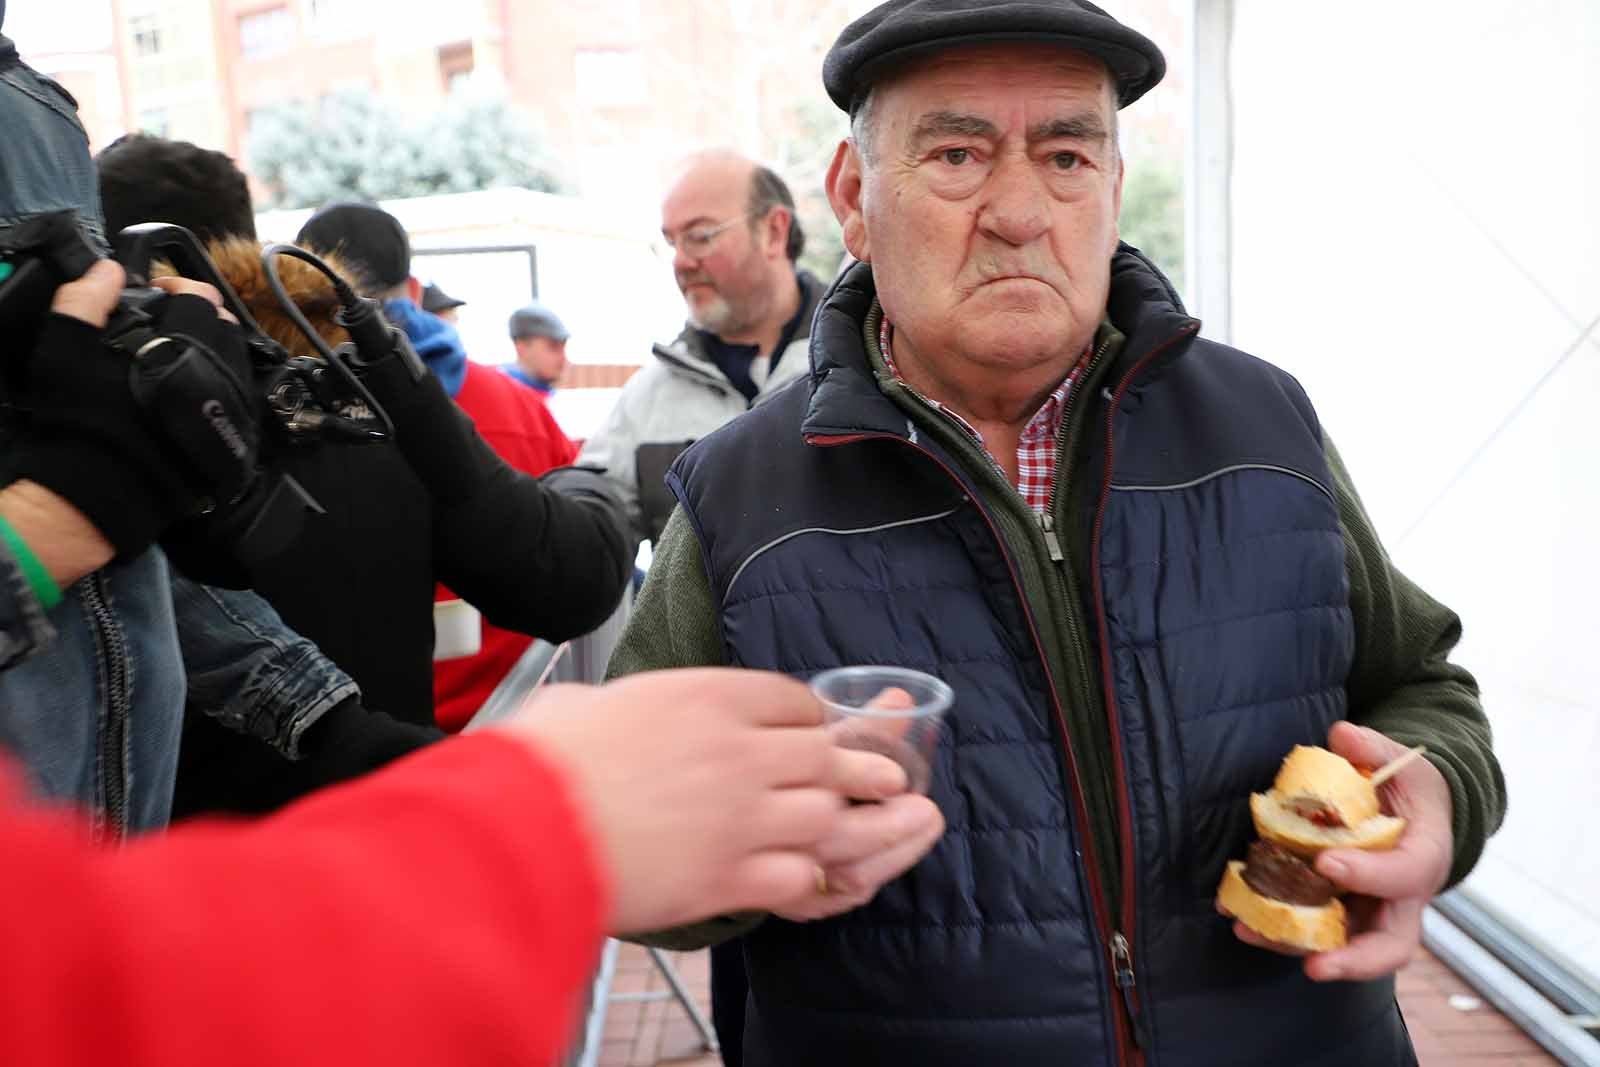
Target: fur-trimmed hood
x: 238, y: 260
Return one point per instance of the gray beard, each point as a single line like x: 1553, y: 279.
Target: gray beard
x: 715, y: 317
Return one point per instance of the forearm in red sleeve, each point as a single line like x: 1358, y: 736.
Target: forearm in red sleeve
x: 446, y: 909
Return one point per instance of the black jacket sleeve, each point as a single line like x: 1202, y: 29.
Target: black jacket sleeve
x: 220, y: 770
x: 549, y: 557
x: 543, y: 556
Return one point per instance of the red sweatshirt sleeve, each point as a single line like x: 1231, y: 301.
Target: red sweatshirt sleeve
x: 443, y: 911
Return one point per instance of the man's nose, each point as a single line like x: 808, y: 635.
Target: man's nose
x: 682, y: 262
x: 1015, y: 207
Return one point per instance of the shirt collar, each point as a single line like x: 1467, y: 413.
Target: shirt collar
x: 1044, y: 424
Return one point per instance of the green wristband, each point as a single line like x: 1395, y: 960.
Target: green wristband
x: 44, y: 587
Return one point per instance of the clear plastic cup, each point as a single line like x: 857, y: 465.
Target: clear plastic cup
x: 895, y: 711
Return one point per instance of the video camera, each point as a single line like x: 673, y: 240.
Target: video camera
x: 295, y: 401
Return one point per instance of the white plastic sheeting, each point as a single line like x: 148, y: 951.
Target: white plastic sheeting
x: 1416, y: 235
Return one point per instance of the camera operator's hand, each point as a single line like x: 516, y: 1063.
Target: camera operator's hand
x: 204, y: 290
x: 91, y: 298
x: 129, y: 441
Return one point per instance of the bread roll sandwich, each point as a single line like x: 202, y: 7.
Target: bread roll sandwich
x: 1319, y: 800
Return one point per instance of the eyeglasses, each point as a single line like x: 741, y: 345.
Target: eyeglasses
x: 696, y: 243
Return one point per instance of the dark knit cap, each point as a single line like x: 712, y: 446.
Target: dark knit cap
x: 900, y: 30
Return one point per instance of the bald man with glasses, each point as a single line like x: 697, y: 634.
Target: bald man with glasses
x: 728, y: 228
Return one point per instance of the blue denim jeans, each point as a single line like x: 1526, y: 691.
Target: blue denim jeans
x: 94, y: 713
x: 248, y: 670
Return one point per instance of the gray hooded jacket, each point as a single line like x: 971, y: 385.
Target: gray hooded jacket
x: 675, y: 400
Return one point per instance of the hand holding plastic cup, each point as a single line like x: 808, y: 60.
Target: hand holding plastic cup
x: 894, y: 711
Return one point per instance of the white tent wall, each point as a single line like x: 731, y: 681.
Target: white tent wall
x: 1415, y: 234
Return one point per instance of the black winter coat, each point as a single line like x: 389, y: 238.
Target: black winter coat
x: 544, y: 556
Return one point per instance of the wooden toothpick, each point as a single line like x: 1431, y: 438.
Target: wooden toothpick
x: 1395, y: 766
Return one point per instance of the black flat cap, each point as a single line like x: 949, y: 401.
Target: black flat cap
x: 370, y: 239
x: 905, y: 29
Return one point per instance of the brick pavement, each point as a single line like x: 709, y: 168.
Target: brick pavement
x: 658, y: 1032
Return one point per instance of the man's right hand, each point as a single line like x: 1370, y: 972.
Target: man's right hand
x: 714, y: 791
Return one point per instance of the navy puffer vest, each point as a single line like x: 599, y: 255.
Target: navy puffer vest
x: 835, y: 533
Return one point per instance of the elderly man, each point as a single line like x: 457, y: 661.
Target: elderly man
x: 731, y: 227
x: 1131, y: 551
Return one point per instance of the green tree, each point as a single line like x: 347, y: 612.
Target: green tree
x: 351, y: 144
x: 1152, y: 213
x: 800, y: 152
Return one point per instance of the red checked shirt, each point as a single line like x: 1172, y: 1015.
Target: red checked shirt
x: 1036, y: 449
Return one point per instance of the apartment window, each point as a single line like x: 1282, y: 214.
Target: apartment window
x: 146, y: 31
x: 609, y: 77
x: 456, y: 64
x: 265, y: 32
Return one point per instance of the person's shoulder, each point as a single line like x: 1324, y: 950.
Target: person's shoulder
x: 777, y: 417
x: 482, y: 386
x: 494, y: 381
x: 489, y: 393
x: 1228, y: 356
x: 649, y: 376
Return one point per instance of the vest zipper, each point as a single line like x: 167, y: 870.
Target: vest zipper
x: 1122, y: 967
x: 1047, y: 523
x: 1130, y: 1026
x: 1121, y: 945
x: 1099, y: 906
x: 114, y: 737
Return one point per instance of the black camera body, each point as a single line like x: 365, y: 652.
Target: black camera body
x: 277, y: 403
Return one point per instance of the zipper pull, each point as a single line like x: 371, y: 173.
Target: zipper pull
x: 1122, y: 965
x: 1048, y: 525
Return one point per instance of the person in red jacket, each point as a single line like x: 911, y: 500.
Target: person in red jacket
x: 447, y: 909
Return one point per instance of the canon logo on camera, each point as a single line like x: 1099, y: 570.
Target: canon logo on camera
x: 212, y: 410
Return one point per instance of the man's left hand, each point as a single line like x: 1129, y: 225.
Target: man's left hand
x: 1390, y: 889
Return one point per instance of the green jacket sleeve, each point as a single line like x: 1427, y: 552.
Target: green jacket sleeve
x: 674, y: 620
x: 674, y: 624
x: 1402, y: 683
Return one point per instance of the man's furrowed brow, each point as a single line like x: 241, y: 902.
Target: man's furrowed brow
x: 936, y: 124
x: 1085, y: 126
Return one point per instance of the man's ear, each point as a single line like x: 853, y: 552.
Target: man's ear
x: 414, y: 290
x: 779, y: 221
x: 844, y: 185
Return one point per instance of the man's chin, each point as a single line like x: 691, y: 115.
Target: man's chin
x: 1018, y: 339
x: 711, y: 315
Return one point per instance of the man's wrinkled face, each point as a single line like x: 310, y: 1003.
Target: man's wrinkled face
x: 725, y: 284
x: 988, y: 202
